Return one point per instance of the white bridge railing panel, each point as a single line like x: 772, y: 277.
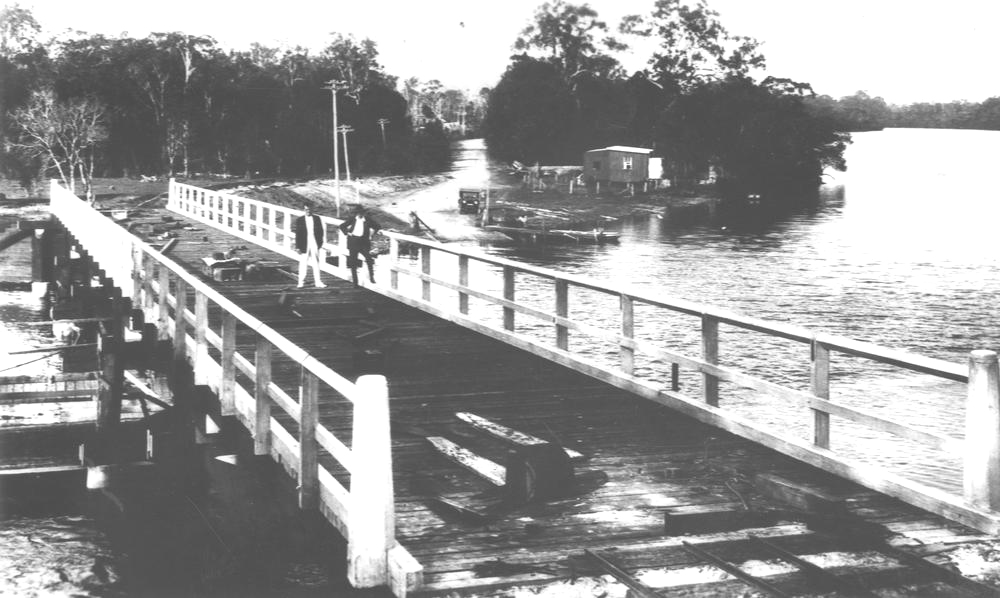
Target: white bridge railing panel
x: 262, y: 223
x: 516, y: 321
x: 181, y: 304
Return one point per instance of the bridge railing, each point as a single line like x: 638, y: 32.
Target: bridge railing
x: 516, y: 320
x: 266, y: 224
x: 205, y: 326
x: 446, y: 292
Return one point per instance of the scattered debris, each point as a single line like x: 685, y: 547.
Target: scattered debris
x: 169, y: 245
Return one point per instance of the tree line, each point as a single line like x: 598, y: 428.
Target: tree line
x: 701, y: 102
x: 178, y: 104
x: 696, y: 104
x: 861, y: 112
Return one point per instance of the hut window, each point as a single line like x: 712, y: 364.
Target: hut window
x: 627, y: 162
x: 597, y: 164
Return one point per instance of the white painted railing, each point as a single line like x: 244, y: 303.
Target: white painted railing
x: 266, y: 224
x: 181, y: 304
x: 431, y: 291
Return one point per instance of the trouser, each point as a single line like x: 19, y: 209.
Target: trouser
x: 309, y: 258
x: 357, y: 247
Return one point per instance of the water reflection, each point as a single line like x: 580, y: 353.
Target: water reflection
x: 19, y: 308
x: 900, y: 251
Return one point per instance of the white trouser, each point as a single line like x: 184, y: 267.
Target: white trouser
x: 309, y: 258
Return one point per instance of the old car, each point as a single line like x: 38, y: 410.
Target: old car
x: 469, y: 200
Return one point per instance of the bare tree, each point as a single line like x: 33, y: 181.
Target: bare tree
x: 65, y: 135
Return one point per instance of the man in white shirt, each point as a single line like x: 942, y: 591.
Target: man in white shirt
x: 310, y: 234
x: 360, y: 228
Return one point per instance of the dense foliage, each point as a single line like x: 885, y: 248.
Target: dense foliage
x: 861, y: 112
x: 174, y: 103
x: 696, y: 104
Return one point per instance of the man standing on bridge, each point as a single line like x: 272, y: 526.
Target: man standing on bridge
x: 310, y: 234
x: 360, y: 228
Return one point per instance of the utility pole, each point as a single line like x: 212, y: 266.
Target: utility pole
x: 382, y: 122
x: 334, y: 87
x: 344, y: 130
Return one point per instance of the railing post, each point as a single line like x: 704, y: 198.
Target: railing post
x: 199, y: 363
x: 562, y: 310
x: 982, y: 431
x: 262, y: 429
x: 308, y: 449
x: 371, y: 521
x: 227, y: 388
x: 425, y: 267
x: 820, y: 386
x: 394, y: 263
x: 626, y: 355
x: 148, y: 297
x: 180, y: 320
x: 463, y: 280
x: 136, y: 252
x: 508, y: 294
x: 288, y: 239
x: 163, y: 305
x: 710, y: 354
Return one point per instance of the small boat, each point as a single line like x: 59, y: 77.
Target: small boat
x: 597, y: 236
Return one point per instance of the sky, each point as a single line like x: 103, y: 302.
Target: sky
x: 904, y: 51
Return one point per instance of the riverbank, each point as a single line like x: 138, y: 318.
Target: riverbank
x: 386, y: 196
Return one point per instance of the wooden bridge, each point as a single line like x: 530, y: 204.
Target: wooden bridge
x: 471, y: 355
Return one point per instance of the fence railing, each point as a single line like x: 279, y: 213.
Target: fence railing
x: 979, y: 451
x: 205, y: 326
x: 269, y: 225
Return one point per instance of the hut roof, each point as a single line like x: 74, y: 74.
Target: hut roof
x: 622, y: 148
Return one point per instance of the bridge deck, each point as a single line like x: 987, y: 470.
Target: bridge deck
x: 654, y: 459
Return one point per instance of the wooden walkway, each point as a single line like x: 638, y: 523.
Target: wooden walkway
x: 640, y: 460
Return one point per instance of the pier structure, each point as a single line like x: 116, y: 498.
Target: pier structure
x: 358, y: 394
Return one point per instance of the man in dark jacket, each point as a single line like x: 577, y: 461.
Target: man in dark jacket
x: 310, y: 234
x: 360, y: 228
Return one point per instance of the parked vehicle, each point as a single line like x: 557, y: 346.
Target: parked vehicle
x: 469, y: 200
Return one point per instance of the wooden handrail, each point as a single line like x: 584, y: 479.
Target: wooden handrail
x: 821, y: 346
x: 134, y: 265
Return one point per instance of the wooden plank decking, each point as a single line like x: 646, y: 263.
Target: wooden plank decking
x: 653, y: 459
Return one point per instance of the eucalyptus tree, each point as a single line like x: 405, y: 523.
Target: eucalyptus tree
x: 63, y: 135
x: 191, y: 51
x: 23, y: 65
x: 693, y: 46
x: 568, y: 36
x: 376, y: 103
x: 760, y: 137
x: 574, y: 93
x: 531, y: 114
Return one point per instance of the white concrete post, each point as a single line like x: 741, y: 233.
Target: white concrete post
x: 982, y: 431
x: 371, y: 519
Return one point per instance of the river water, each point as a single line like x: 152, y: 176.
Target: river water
x: 900, y: 251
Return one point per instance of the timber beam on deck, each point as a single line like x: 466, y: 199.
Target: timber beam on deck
x: 441, y: 361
